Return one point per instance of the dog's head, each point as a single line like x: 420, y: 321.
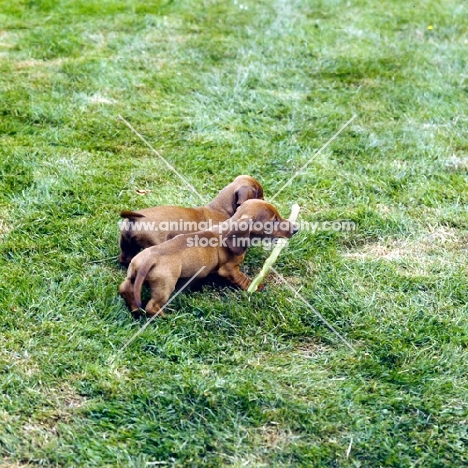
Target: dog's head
x: 256, y: 218
x: 246, y: 188
x: 232, y: 196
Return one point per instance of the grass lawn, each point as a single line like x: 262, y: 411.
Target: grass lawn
x: 224, y: 88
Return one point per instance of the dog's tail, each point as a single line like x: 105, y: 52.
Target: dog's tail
x: 131, y: 214
x: 139, y: 280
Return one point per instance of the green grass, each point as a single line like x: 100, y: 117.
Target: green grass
x: 224, y: 88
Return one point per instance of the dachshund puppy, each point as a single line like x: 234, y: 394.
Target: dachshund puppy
x: 219, y: 250
x: 153, y: 226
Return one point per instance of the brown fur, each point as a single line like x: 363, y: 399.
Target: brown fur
x: 162, y: 265
x: 223, y: 206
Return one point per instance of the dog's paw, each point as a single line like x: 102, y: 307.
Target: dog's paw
x: 155, y: 314
x: 137, y: 313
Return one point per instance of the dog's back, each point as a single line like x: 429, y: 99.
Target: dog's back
x: 153, y: 226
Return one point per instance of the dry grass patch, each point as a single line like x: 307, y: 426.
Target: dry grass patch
x: 312, y: 350
x: 457, y: 164
x: 430, y: 243
x: 441, y: 246
x: 20, y: 362
x: 12, y: 464
x: 4, y: 227
x: 39, y: 63
x: 274, y: 437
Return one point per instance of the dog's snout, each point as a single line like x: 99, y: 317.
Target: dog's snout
x: 295, y: 229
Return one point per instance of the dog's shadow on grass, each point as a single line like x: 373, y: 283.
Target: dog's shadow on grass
x: 211, y: 282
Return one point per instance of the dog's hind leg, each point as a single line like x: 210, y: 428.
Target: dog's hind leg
x: 161, y: 289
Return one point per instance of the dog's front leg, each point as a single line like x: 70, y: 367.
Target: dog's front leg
x: 235, y: 276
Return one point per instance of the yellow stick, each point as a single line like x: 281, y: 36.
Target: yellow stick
x: 269, y: 262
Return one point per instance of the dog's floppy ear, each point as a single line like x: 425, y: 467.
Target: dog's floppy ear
x: 244, y: 193
x: 238, y: 241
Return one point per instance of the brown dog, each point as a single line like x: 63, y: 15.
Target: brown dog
x: 220, y: 250
x: 153, y: 226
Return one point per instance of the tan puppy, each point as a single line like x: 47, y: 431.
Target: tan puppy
x: 224, y: 205
x: 220, y: 250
